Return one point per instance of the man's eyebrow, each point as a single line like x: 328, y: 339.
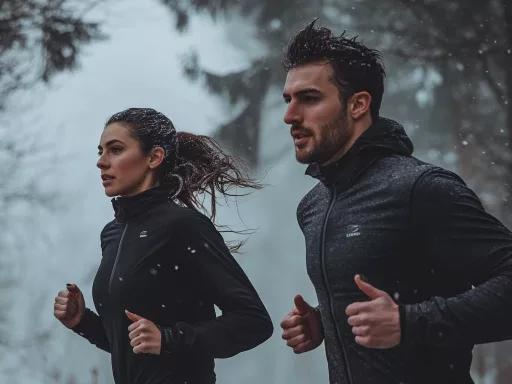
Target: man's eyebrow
x: 303, y: 92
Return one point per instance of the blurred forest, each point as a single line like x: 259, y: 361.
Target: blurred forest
x: 449, y: 66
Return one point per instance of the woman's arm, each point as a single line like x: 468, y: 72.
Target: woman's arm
x: 244, y: 323
x: 91, y: 328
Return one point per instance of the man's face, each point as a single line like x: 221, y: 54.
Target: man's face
x: 318, y: 120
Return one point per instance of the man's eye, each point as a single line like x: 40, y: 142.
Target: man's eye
x: 115, y: 149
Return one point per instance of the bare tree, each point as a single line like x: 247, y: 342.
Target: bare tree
x: 39, y: 39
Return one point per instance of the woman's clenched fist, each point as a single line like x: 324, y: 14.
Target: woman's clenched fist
x: 69, y: 307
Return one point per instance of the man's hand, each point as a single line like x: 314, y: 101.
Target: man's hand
x: 376, y: 323
x: 144, y: 335
x: 302, y: 328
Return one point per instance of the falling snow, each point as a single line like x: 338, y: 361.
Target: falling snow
x: 476, y: 115
x: 275, y: 24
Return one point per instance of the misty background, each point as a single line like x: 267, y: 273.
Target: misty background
x: 214, y: 68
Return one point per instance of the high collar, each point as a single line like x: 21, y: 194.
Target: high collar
x: 133, y: 207
x: 382, y: 138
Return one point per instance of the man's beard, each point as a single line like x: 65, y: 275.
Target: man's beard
x: 332, y: 137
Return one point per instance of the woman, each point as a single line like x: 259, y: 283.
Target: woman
x: 164, y: 264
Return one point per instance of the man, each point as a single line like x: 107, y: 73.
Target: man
x: 409, y: 270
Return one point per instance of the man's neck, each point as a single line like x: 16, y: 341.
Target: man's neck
x: 359, y: 128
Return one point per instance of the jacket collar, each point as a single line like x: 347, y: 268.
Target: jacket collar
x: 384, y: 137
x: 133, y: 207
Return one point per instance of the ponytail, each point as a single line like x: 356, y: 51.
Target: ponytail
x: 202, y: 167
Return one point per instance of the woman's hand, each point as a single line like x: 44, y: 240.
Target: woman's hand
x: 145, y: 337
x: 69, y: 306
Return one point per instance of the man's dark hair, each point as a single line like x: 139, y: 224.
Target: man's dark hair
x: 356, y: 67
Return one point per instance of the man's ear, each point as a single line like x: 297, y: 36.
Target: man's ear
x: 359, y: 104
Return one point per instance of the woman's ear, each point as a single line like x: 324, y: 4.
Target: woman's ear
x: 156, y: 157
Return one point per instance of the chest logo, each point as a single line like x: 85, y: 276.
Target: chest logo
x: 143, y: 234
x: 353, y: 230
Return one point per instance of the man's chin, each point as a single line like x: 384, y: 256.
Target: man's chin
x: 301, y: 160
x: 303, y: 156
x: 318, y: 156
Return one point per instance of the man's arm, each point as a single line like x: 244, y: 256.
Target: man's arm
x: 319, y: 316
x: 464, y: 241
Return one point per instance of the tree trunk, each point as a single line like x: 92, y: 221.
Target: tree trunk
x: 243, y: 133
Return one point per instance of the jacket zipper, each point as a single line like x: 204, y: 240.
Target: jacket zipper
x: 115, y: 262
x: 324, y: 270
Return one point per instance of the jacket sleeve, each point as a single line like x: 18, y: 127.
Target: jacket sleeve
x: 466, y: 242
x: 244, y: 323
x: 319, y: 316
x: 91, y: 328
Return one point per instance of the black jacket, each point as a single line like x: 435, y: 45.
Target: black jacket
x: 170, y: 265
x: 419, y: 233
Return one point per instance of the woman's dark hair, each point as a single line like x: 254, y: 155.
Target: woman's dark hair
x: 193, y: 164
x: 356, y: 68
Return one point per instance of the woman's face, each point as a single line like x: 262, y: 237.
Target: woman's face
x: 125, y: 170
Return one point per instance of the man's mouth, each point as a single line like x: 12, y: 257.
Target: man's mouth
x: 300, y: 139
x: 107, y: 177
